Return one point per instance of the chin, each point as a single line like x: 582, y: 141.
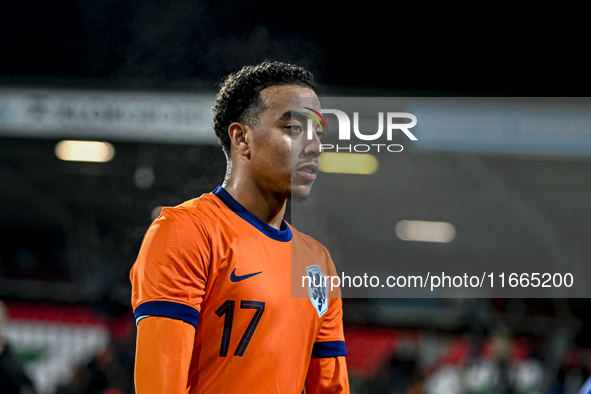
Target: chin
x: 299, y: 194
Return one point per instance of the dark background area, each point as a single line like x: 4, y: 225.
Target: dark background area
x: 406, y: 47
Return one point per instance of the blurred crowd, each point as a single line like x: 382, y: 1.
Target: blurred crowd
x: 500, y: 365
x: 469, y: 361
x: 108, y: 372
x: 13, y: 378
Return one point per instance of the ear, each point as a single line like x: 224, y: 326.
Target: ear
x: 239, y: 137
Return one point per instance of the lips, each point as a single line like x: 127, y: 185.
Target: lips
x: 308, y: 170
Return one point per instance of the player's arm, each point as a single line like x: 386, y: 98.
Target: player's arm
x: 163, y: 355
x: 168, y: 283
x: 327, y: 375
x: 327, y: 372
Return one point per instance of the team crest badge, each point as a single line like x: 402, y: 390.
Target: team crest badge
x: 318, y: 289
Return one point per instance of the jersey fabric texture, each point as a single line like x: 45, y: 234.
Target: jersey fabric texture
x: 212, y: 264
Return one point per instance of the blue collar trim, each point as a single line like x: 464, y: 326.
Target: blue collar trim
x: 282, y: 235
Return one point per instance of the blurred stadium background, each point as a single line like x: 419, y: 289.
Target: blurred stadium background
x: 141, y: 76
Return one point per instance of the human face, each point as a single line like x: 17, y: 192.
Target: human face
x: 283, y: 159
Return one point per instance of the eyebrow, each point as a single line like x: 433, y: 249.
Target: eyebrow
x: 293, y: 114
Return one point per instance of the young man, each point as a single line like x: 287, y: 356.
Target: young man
x: 211, y: 285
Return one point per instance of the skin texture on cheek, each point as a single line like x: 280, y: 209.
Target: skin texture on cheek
x: 272, y: 161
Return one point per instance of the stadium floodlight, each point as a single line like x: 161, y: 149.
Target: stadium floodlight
x: 92, y: 151
x: 422, y: 231
x: 348, y: 163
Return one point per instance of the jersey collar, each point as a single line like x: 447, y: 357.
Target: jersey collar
x: 283, y: 235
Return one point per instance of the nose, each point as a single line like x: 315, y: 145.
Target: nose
x: 313, y: 146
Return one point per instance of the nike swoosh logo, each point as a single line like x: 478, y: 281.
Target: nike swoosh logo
x: 235, y: 278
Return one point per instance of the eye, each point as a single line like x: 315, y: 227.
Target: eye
x: 295, y: 128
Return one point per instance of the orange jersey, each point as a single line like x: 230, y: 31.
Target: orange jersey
x: 212, y: 264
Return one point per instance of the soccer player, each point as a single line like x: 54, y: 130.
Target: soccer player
x: 211, y: 284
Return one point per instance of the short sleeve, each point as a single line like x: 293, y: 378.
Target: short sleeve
x: 331, y: 338
x: 330, y: 341
x: 170, y: 274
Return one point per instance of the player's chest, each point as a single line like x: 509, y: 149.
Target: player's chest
x: 257, y: 275
x: 250, y: 269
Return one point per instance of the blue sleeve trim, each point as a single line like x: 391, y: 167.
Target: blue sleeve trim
x: 167, y: 309
x: 329, y: 349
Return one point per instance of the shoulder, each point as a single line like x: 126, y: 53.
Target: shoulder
x: 198, y: 211
x: 177, y: 238
x: 186, y: 223
x: 313, y: 255
x: 303, y: 240
x: 311, y: 250
x: 208, y: 209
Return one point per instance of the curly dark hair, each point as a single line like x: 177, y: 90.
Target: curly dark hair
x: 239, y: 97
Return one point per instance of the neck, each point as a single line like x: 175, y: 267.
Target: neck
x: 265, y: 205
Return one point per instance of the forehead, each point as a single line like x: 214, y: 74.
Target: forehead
x: 278, y: 99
